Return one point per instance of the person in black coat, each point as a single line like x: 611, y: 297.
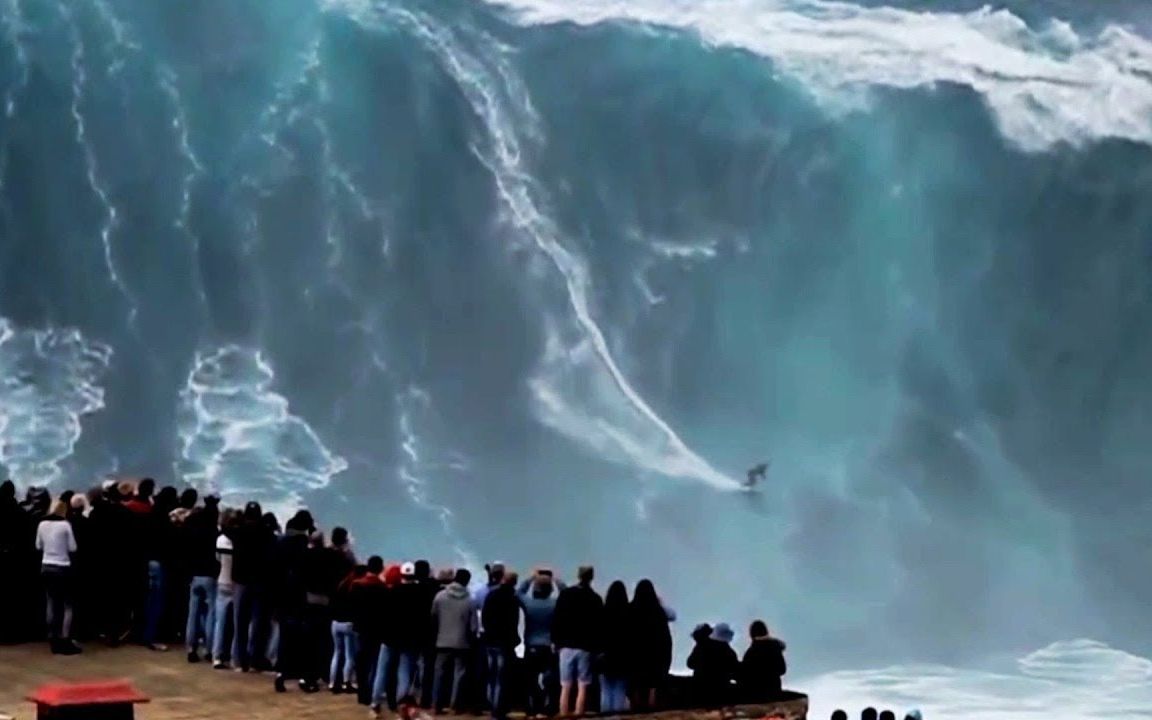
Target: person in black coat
x: 501, y: 619
x: 714, y: 666
x: 289, y: 595
x: 763, y: 667
x: 652, y: 645
x: 576, y: 628
x: 411, y: 623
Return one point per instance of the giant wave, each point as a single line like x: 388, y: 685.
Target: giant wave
x: 538, y: 280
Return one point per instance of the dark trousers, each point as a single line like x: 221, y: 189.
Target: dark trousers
x: 540, y: 665
x: 451, y: 672
x: 294, y: 659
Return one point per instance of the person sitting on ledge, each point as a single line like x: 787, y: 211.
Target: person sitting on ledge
x: 839, y: 715
x: 714, y: 666
x: 763, y: 667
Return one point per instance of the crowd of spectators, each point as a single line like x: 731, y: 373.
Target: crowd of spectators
x: 126, y: 562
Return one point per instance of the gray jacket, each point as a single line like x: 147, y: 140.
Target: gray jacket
x: 454, y: 618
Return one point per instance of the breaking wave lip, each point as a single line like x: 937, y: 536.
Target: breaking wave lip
x: 1075, y: 678
x: 500, y: 103
x: 239, y: 438
x: 1044, y: 85
x: 49, y: 381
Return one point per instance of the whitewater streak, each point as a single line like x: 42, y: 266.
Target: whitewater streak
x: 49, y: 381
x: 483, y: 84
x: 239, y: 438
x: 1044, y: 86
x: 111, y: 218
x: 416, y: 402
x: 1075, y: 679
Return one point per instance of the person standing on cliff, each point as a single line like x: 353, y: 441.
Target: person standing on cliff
x: 575, y: 631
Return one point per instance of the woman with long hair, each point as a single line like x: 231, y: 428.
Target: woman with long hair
x: 57, y: 544
x: 652, y: 659
x: 616, y: 650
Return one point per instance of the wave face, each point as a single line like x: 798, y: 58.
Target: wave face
x: 538, y: 280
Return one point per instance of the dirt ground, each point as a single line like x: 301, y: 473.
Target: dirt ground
x: 179, y: 691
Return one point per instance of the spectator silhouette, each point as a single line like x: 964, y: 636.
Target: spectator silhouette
x: 714, y: 665
x: 651, y: 643
x: 763, y: 667
x: 454, y: 627
x: 538, y: 596
x: 501, y: 617
x: 869, y: 713
x: 615, y: 650
x: 575, y: 631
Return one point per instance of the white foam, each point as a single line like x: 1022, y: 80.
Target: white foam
x: 414, y: 405
x: 1044, y: 85
x: 239, y: 438
x: 704, y: 250
x: 1073, y: 679
x: 617, y: 423
x: 49, y: 381
x: 194, y: 171
x: 96, y: 184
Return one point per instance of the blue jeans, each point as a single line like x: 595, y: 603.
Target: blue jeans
x: 343, y: 654
x: 155, y: 602
x: 225, y: 603
x: 497, y: 676
x: 404, y: 665
x: 613, y: 695
x: 201, y: 613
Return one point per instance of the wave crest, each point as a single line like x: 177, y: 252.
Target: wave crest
x: 1045, y: 86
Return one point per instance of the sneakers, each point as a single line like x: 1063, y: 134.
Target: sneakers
x: 219, y: 665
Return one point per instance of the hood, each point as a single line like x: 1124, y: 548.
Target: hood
x: 456, y: 591
x: 774, y: 642
x: 392, y: 575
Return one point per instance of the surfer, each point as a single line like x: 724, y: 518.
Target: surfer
x: 756, y: 474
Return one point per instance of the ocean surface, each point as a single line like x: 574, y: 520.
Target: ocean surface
x: 538, y: 280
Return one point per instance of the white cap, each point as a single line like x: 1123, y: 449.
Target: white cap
x: 408, y: 570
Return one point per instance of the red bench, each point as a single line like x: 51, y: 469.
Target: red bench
x: 104, y: 700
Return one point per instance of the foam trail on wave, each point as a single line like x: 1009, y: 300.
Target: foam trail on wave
x: 1045, y: 86
x: 413, y: 403
x: 193, y: 173
x: 92, y: 171
x: 1075, y: 678
x: 286, y: 109
x: 238, y: 437
x: 653, y: 445
x: 49, y: 381
x: 11, y: 23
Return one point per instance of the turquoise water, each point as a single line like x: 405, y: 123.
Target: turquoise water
x: 539, y: 281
